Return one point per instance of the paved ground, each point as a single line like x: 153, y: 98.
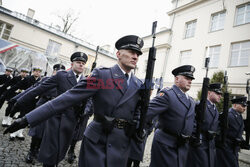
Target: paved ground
x: 12, y: 153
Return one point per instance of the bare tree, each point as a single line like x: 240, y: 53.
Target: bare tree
x: 68, y: 19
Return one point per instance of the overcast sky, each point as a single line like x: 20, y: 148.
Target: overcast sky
x: 100, y: 21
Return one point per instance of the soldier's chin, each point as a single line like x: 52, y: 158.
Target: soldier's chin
x: 132, y: 66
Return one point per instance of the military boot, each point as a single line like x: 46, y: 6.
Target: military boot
x: 30, y: 156
x: 34, y: 149
x: 71, y: 156
x: 71, y: 153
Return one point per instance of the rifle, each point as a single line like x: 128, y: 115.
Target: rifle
x: 247, y: 121
x: 94, y: 63
x: 146, y: 89
x: 201, y: 107
x: 31, y: 65
x: 45, y: 73
x: 15, y: 70
x: 160, y: 85
x: 224, y: 115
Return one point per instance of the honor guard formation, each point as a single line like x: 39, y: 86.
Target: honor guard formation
x: 57, y: 108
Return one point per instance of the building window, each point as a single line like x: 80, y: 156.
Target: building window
x: 53, y: 48
x: 217, y: 21
x: 240, y: 53
x: 185, y: 57
x: 214, y: 54
x: 5, y: 30
x: 190, y: 29
x: 243, y: 14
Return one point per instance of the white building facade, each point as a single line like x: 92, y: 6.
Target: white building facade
x: 218, y: 28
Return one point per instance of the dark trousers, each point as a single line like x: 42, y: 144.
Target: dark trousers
x: 35, y: 144
x: 8, y: 109
x: 72, y: 146
x: 136, y: 163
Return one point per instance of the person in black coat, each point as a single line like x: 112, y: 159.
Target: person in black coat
x: 36, y: 132
x: 227, y: 154
x: 80, y: 128
x: 176, y: 112
x: 115, y: 92
x: 13, y: 81
x: 18, y: 88
x: 205, y: 154
x: 8, y: 90
x: 6, y: 77
x: 58, y: 134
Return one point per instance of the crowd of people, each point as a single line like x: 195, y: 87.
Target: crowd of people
x: 57, y: 109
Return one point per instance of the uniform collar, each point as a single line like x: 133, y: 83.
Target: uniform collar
x: 79, y: 76
x: 236, y: 112
x: 211, y: 103
x: 183, y: 92
x: 129, y: 74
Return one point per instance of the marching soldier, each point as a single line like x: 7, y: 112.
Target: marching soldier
x: 137, y: 148
x: 17, y: 89
x: 79, y: 130
x: 227, y: 155
x: 59, y: 130
x: 175, y: 121
x: 115, y: 93
x: 37, y: 132
x: 6, y: 77
x: 21, y: 83
x: 14, y: 80
x: 204, y: 154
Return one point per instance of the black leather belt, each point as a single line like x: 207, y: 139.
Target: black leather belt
x: 118, y: 123
x: 209, y: 135
x: 182, y: 138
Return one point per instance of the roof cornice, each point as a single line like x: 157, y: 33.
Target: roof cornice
x: 186, y: 6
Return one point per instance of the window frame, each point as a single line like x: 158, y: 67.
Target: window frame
x: 213, y: 46
x: 186, y: 28
x: 54, y: 42
x: 4, y: 29
x: 213, y: 14
x: 235, y: 15
x: 230, y: 58
x: 180, y: 59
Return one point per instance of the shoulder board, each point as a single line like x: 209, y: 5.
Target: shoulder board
x: 166, y: 89
x: 163, y: 91
x: 102, y: 68
x: 62, y: 71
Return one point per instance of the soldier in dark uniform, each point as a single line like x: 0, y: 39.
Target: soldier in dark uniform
x: 36, y: 132
x: 59, y: 129
x: 18, y: 88
x: 175, y: 110
x: 6, y: 77
x: 16, y: 84
x: 115, y: 93
x: 137, y: 148
x: 80, y: 128
x: 204, y: 154
x: 13, y: 81
x: 227, y: 155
